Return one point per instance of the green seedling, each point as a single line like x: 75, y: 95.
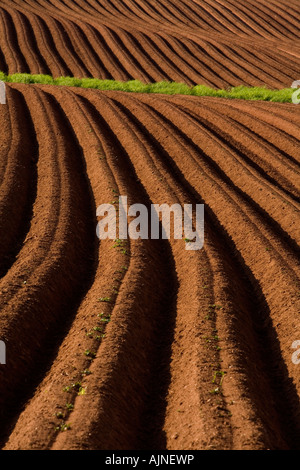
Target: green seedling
x: 215, y: 306
x: 63, y: 427
x: 98, y: 328
x: 100, y: 337
x: 89, y: 354
x: 105, y: 319
x: 218, y: 373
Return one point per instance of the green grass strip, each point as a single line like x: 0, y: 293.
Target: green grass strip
x: 169, y: 88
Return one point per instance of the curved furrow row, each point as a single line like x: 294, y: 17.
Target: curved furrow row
x: 261, y: 69
x: 141, y: 163
x: 253, y: 73
x: 219, y: 23
x: 18, y: 179
x: 144, y: 344
x: 267, y: 58
x: 88, y: 327
x: 108, y: 38
x: 275, y: 205
x: 267, y: 21
x: 125, y: 11
x: 28, y: 44
x: 289, y: 23
x: 238, y: 64
x: 276, y: 163
x: 293, y: 9
x: 257, y: 24
x: 109, y: 65
x: 274, y: 128
x: 192, y: 134
x: 88, y: 53
x: 224, y: 70
x: 160, y: 153
x: 151, y: 70
x: 197, y: 52
x: 140, y: 322
x: 130, y: 426
x: 272, y: 312
x: 192, y: 16
x: 128, y: 56
x: 84, y: 49
x: 32, y: 312
x: 157, y: 68
x: 164, y: 52
x: 66, y: 48
x: 185, y: 16
x: 106, y: 11
x: 218, y: 174
x: 139, y: 329
x: 131, y: 432
x: 224, y: 13
x: 165, y: 13
x: 193, y: 68
x: 268, y: 197
x: 57, y: 66
x: 9, y: 45
x: 256, y: 153
x: 129, y: 357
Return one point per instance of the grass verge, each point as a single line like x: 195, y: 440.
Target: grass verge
x: 169, y: 88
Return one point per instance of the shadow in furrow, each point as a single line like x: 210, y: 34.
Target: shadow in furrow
x: 12, y: 37
x: 33, y: 44
x: 282, y: 404
x: 245, y: 154
x: 216, y: 171
x: 17, y: 213
x: 3, y: 64
x: 65, y: 71
x: 45, y: 317
x: 146, y: 351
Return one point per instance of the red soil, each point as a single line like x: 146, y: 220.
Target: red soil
x: 206, y: 362
x: 219, y: 43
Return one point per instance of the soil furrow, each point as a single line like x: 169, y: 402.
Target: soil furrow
x: 285, y: 417
x: 18, y: 185
x: 36, y: 280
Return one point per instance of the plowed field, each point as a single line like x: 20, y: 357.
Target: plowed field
x: 214, y: 42
x: 147, y: 345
